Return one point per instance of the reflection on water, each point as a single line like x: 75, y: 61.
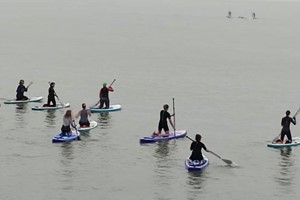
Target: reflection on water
x: 50, y: 118
x: 66, y: 171
x: 104, y: 120
x: 163, y: 150
x: 195, y: 181
x: 287, y: 170
x: 21, y: 109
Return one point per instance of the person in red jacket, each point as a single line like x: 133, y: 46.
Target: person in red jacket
x: 104, y: 97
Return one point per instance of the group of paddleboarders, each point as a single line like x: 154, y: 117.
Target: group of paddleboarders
x: 68, y: 119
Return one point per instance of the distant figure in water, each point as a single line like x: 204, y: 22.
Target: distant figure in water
x: 285, y: 123
x: 229, y: 14
x: 253, y: 16
x: 163, y: 122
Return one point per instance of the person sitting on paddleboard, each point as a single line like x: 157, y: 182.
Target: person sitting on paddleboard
x: 51, y: 96
x: 104, y: 97
x: 68, y: 121
x: 163, y: 123
x: 20, y: 91
x: 196, y: 147
x: 285, y: 123
x: 84, y: 114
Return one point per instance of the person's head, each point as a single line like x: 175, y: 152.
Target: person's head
x: 68, y: 113
x: 52, y: 84
x: 166, y: 107
x: 198, y: 137
x: 104, y: 84
x: 83, y: 106
x: 21, y: 82
x: 288, y: 113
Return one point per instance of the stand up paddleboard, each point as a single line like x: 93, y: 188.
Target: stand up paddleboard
x: 196, y: 165
x: 151, y: 139
x: 60, y: 138
x: 31, y: 99
x: 295, y: 142
x: 93, y: 124
x: 110, y: 109
x: 58, y: 106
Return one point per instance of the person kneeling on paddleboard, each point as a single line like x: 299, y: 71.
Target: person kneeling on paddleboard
x: 20, y: 91
x: 163, y: 123
x: 51, y: 96
x: 196, y: 147
x: 84, y: 114
x: 285, y: 123
x: 68, y: 121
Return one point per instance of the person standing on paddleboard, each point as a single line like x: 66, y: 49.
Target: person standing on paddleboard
x: 84, y: 114
x: 104, y: 97
x: 20, y: 91
x: 163, y: 123
x: 51, y: 96
x: 68, y: 121
x: 285, y: 123
x: 196, y: 147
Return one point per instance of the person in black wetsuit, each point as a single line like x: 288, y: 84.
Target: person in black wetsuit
x: 196, y: 147
x: 163, y: 123
x: 103, y: 95
x: 285, y: 123
x: 20, y: 91
x: 51, y: 96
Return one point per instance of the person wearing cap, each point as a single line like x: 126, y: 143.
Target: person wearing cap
x: 285, y: 123
x: 84, y: 114
x: 51, y: 96
x: 163, y: 123
x: 20, y: 91
x: 196, y: 147
x: 104, y: 97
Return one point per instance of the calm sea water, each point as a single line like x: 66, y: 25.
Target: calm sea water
x: 232, y: 80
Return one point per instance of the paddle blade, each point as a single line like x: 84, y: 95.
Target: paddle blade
x: 229, y: 162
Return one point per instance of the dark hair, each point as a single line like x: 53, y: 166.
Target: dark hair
x: 166, y: 106
x: 198, y: 137
x: 83, y: 105
x: 288, y: 112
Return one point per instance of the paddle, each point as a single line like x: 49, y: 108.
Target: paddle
x: 277, y: 137
x: 29, y: 85
x: 229, y: 162
x: 99, y: 99
x: 77, y: 133
x: 174, y: 117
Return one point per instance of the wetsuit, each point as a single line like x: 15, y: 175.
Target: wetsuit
x: 104, y: 99
x: 163, y: 124
x: 51, y: 97
x: 196, y: 151
x: 20, y: 92
x: 285, y: 123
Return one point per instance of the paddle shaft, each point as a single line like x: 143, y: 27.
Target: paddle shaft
x: 174, y: 116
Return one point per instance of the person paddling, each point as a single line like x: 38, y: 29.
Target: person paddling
x: 196, y: 147
x: 68, y: 121
x: 51, y: 96
x: 285, y: 123
x: 104, y: 97
x: 163, y: 123
x: 20, y: 91
x: 84, y: 114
